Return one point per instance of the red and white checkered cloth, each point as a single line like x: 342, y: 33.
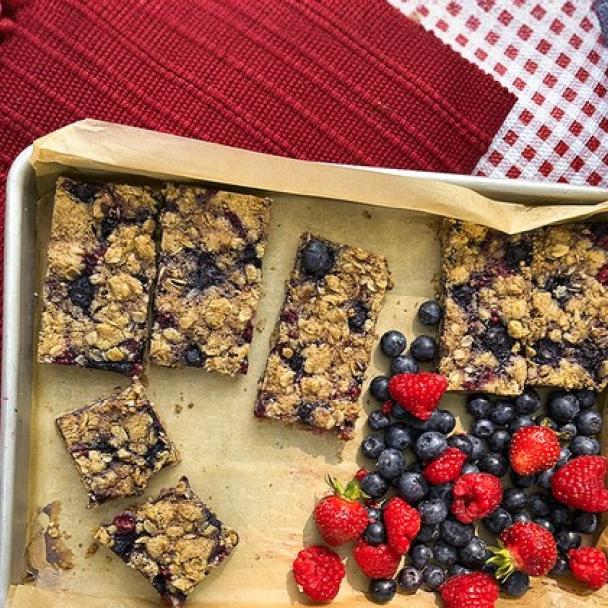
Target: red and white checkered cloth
x: 551, y: 55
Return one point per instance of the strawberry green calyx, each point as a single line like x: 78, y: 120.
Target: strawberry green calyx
x: 351, y: 491
x: 504, y: 560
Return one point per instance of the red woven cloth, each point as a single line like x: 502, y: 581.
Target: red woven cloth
x: 350, y: 82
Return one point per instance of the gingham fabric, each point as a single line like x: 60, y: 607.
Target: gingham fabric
x: 552, y: 55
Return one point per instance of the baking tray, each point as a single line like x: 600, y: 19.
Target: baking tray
x: 19, y: 306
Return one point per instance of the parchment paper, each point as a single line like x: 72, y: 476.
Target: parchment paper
x: 261, y: 478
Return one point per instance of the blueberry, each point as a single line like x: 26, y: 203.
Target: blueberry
x: 317, y: 258
x: 567, y: 539
x: 399, y: 412
x: 568, y: 431
x: 456, y: 570
x: 516, y: 585
x: 502, y: 413
x: 372, y: 446
x: 358, y: 316
x: 588, y: 422
x: 410, y: 579
x: 398, y: 436
x: 522, y: 481
x: 586, y: 398
x: 423, y: 348
x: 584, y: 522
x: 469, y: 468
x: 463, y: 295
x: 428, y: 534
x: 373, y: 485
x: 519, y: 422
x: 445, y: 555
x: 207, y: 273
x: 497, y: 521
x: 433, y: 577
x: 474, y: 554
x: 81, y: 292
x: 374, y: 514
x: 561, y: 567
x: 482, y: 428
x: 522, y: 518
x: 374, y: 533
x: 422, y: 426
x: 479, y: 406
x: 442, y: 492
x: 455, y: 533
x: 379, y: 388
x: 421, y: 555
x: 478, y: 448
x: 494, y: 463
x: 543, y: 480
x: 430, y: 312
x: 390, y: 463
x: 193, y: 356
x: 430, y: 445
x: 528, y: 402
x: 545, y: 523
x: 432, y: 512
x: 412, y: 487
x: 497, y: 340
x: 499, y: 441
x: 560, y: 515
x: 461, y: 442
x: 84, y: 191
x: 540, y: 504
x: 404, y: 364
x: 514, y: 500
x: 378, y: 421
x: 446, y: 421
x: 382, y: 590
x: 392, y: 343
x: 563, y: 407
x: 584, y: 446
x: 564, y: 456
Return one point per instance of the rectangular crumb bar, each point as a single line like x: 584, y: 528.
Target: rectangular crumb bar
x: 101, y: 264
x: 209, y: 279
x: 117, y: 443
x: 324, y: 337
x: 568, y: 342
x: 174, y: 540
x: 486, y: 283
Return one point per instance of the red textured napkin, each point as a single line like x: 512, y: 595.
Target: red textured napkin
x: 351, y: 82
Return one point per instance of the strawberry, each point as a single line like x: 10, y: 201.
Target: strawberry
x: 467, y: 590
x: 475, y: 495
x: 318, y: 572
x: 580, y: 484
x: 402, y: 524
x: 527, y: 547
x: 590, y: 566
x: 446, y: 467
x: 376, y: 561
x: 534, y: 449
x: 419, y: 393
x: 339, y: 517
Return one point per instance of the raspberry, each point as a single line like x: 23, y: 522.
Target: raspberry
x: 590, y: 566
x: 402, y: 524
x: 419, y: 394
x: 475, y: 496
x: 125, y: 522
x: 376, y: 561
x: 387, y: 408
x: 318, y: 572
x: 445, y: 468
x: 361, y: 473
x: 466, y: 590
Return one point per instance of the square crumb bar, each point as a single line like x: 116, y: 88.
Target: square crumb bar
x: 324, y: 337
x: 486, y: 280
x: 210, y: 277
x: 568, y: 342
x: 117, y: 443
x: 101, y: 264
x: 174, y: 540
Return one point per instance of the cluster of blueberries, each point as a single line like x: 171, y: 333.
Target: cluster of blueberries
x: 445, y: 547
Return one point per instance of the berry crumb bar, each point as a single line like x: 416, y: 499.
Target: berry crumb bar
x: 117, y: 443
x: 101, y: 264
x: 568, y: 342
x: 324, y: 337
x: 209, y: 278
x: 486, y: 280
x: 174, y: 540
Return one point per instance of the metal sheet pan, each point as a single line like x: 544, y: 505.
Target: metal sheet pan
x: 19, y: 305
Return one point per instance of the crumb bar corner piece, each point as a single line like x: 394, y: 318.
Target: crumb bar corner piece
x: 323, y: 339
x: 101, y: 265
x: 568, y: 342
x: 174, y: 540
x: 486, y: 284
x: 210, y: 278
x: 117, y: 443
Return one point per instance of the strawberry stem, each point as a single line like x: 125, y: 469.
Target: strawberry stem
x: 503, y: 560
x: 352, y: 491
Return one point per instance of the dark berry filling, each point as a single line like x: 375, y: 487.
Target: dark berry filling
x: 305, y: 411
x: 561, y: 288
x: 165, y: 319
x: 518, y: 253
x: 248, y: 332
x: 84, y: 191
x: 121, y: 367
x: 251, y: 257
x: 66, y: 358
x: 154, y: 451
x: 235, y: 222
x: 289, y: 316
x: 591, y: 356
x: 193, y: 356
x: 498, y: 342
x: 125, y: 522
x: 124, y: 543
x: 547, y: 352
x: 82, y: 292
x: 357, y: 316
x: 462, y: 295
x: 206, y: 273
x: 602, y: 275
